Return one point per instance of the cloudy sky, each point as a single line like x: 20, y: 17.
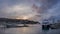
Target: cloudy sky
x: 29, y: 9
x: 16, y: 8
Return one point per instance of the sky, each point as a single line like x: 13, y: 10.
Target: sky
x: 29, y: 9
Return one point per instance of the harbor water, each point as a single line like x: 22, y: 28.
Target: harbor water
x: 32, y: 29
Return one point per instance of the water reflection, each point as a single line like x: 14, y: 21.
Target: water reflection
x: 37, y: 29
x: 45, y: 31
x: 24, y: 29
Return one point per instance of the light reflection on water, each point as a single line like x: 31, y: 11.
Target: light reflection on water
x: 29, y: 30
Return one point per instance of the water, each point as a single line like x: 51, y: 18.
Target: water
x: 33, y: 29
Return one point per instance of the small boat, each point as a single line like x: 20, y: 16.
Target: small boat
x: 25, y: 25
x: 15, y: 25
x: 11, y: 25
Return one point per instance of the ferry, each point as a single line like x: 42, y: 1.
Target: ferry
x: 45, y: 24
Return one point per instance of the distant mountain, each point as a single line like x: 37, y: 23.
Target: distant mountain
x: 18, y: 21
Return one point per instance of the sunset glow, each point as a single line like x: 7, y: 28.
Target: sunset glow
x: 23, y: 17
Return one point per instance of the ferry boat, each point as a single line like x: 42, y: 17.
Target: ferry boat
x: 45, y: 24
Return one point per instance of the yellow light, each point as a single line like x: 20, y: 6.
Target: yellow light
x: 17, y: 18
x: 23, y: 17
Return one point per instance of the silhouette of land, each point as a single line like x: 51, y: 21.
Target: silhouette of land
x: 17, y: 21
x: 6, y: 22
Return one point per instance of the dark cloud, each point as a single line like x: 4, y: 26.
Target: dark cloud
x: 47, y: 4
x: 47, y: 8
